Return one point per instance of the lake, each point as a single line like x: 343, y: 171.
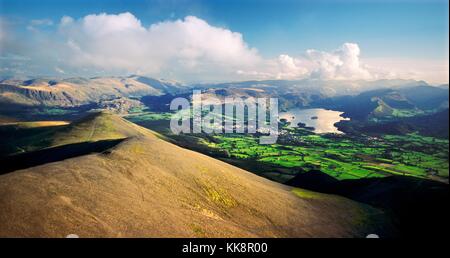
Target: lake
x: 322, y: 120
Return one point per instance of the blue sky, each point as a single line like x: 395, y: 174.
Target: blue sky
x: 395, y: 30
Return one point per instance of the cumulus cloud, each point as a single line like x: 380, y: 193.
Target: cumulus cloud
x: 185, y: 48
x: 188, y: 49
x: 342, y: 63
x: 290, y: 67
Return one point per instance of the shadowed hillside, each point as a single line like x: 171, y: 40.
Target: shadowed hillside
x: 93, y: 127
x: 418, y: 205
x: 145, y: 186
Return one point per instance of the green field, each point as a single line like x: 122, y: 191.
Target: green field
x: 138, y: 117
x: 345, y: 157
x: 298, y: 150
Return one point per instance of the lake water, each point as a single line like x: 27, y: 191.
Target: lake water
x: 322, y: 120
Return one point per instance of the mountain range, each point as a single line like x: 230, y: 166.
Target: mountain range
x: 73, y: 92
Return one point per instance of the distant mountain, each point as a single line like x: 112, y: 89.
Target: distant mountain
x: 73, y: 92
x: 300, y: 93
x: 357, y: 98
x: 426, y: 98
x: 103, y: 176
x: 435, y: 125
x: 390, y: 102
x: 328, y: 88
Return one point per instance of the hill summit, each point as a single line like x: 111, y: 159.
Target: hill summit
x: 142, y: 186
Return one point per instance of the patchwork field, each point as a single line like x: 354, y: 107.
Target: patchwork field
x: 345, y: 157
x: 299, y: 150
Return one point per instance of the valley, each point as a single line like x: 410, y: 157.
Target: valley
x: 355, y: 154
x: 375, y: 146
x: 225, y: 127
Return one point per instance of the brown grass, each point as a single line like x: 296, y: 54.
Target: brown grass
x: 147, y: 187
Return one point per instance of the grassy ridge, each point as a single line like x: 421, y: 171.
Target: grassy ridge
x: 88, y: 182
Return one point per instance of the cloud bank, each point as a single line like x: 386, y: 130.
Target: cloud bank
x: 189, y: 50
x: 189, y: 47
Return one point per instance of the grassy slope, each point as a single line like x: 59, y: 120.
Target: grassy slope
x: 35, y: 124
x: 145, y: 186
x: 28, y: 136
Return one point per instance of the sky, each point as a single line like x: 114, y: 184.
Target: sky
x: 223, y: 40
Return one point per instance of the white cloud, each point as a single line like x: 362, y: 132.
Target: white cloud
x: 188, y: 50
x: 342, y: 63
x: 432, y: 71
x: 65, y: 20
x: 345, y: 63
x: 290, y: 68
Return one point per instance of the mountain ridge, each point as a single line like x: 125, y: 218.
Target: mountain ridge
x: 77, y: 91
x: 145, y: 186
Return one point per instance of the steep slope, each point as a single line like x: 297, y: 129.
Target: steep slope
x: 145, y: 186
x: 419, y: 206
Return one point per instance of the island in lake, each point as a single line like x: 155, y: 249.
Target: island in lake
x: 318, y: 120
